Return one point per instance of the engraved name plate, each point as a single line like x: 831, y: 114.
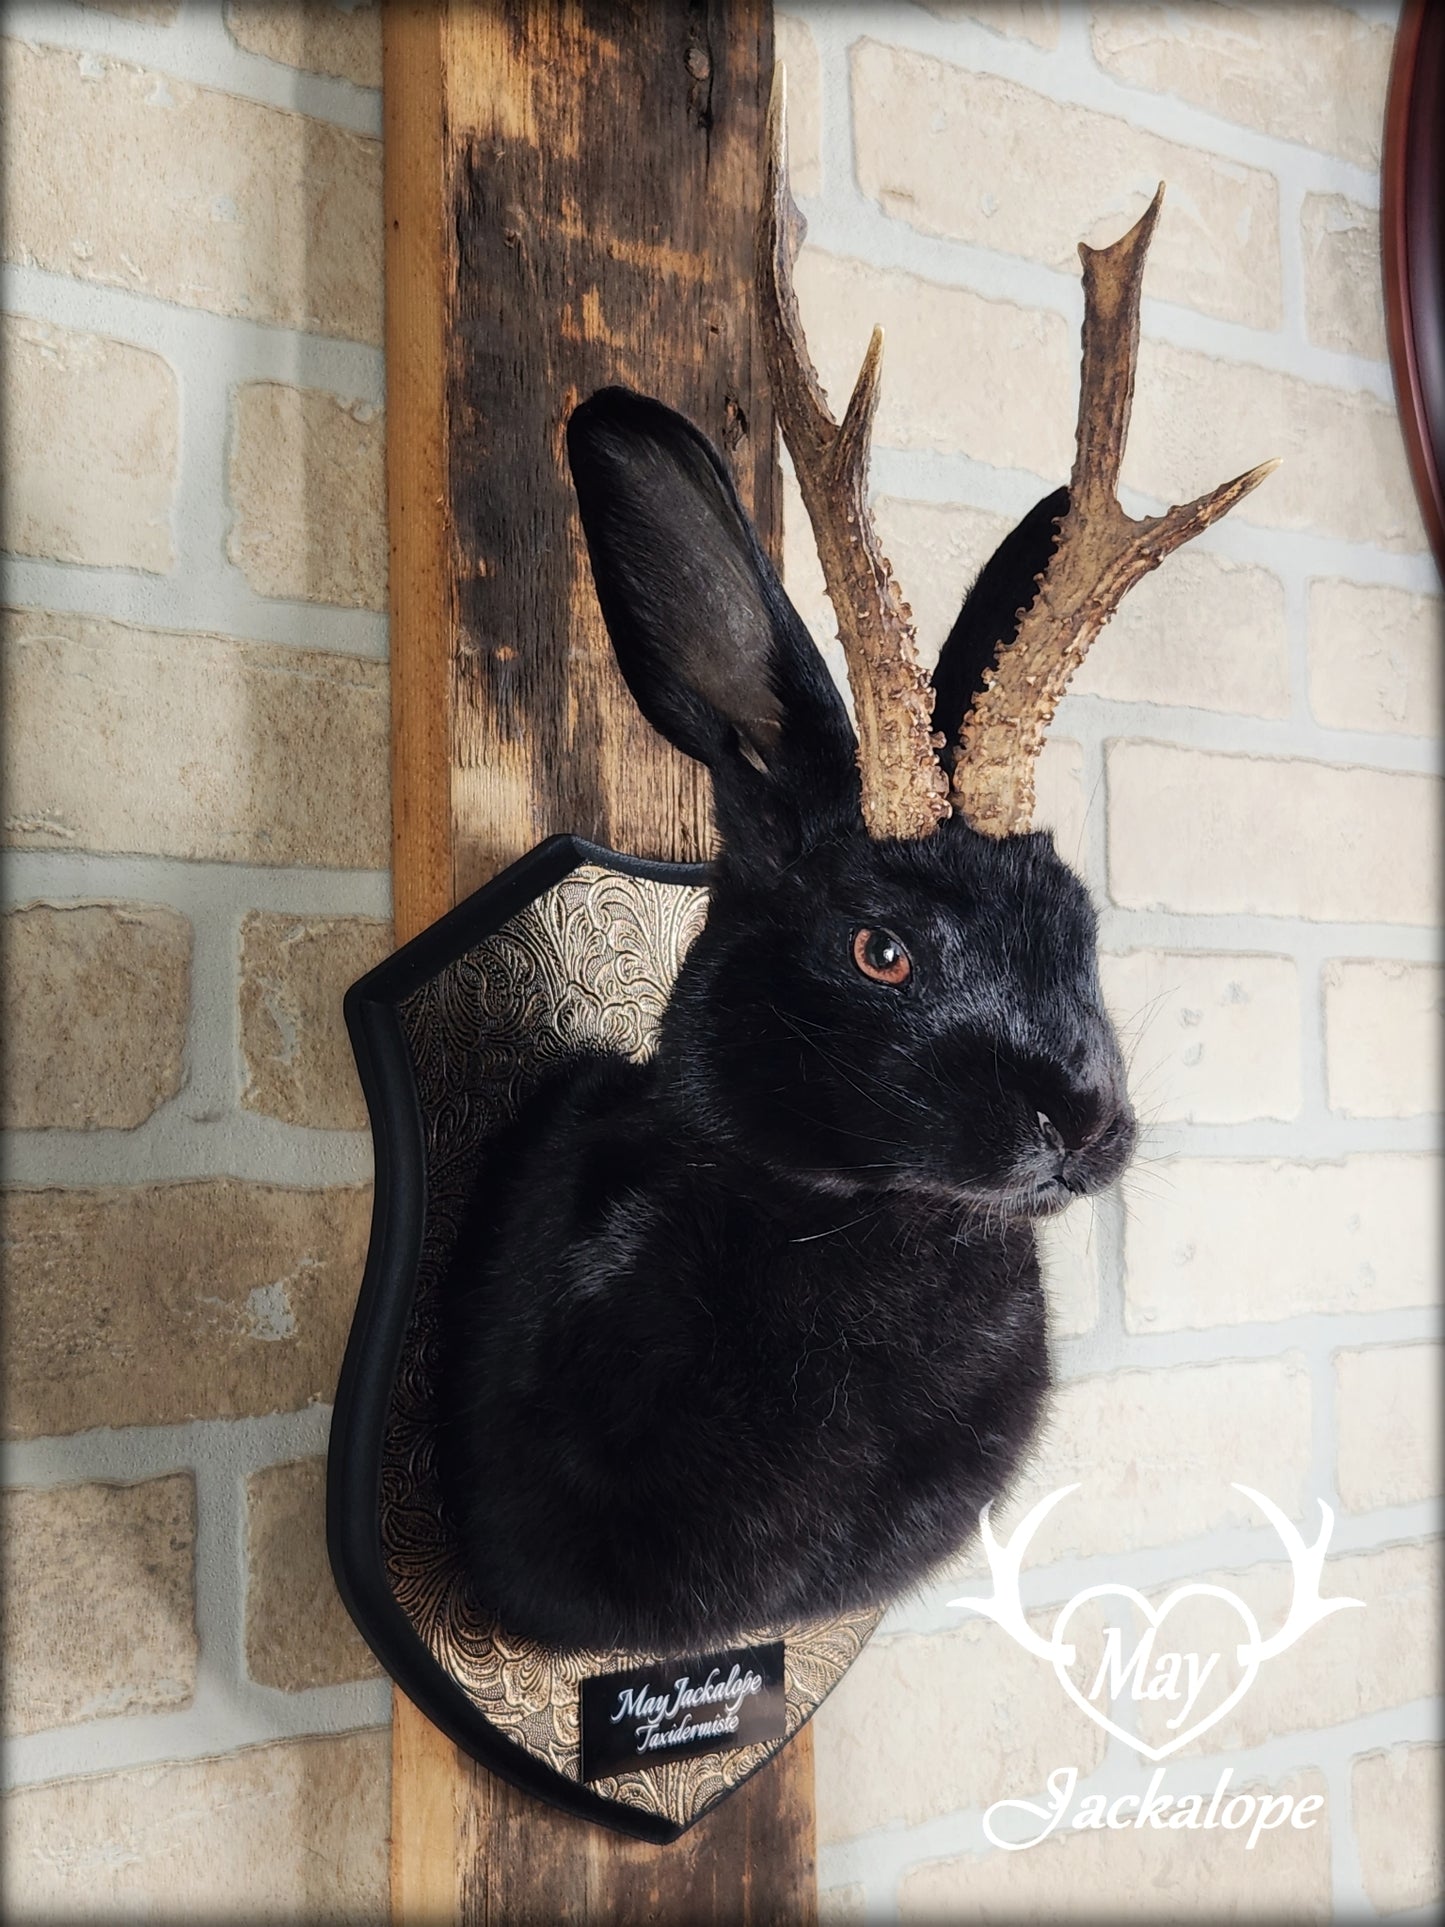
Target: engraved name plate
x: 671, y: 1709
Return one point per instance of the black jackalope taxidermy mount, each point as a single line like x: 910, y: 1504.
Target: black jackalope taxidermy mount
x: 749, y: 1332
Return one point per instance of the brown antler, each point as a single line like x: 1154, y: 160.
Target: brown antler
x: 1101, y: 552
x: 905, y: 791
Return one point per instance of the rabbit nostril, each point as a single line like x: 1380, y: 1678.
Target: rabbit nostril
x: 1053, y: 1136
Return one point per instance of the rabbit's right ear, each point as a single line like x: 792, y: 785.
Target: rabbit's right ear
x: 713, y: 651
x: 989, y: 618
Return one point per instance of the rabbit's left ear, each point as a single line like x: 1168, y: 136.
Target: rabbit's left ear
x: 713, y: 651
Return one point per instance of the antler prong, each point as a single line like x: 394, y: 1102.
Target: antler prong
x: 855, y: 431
x: 905, y: 792
x: 1100, y: 553
x: 1307, y: 1564
x: 1180, y: 525
x: 1005, y: 1563
x: 1113, y: 282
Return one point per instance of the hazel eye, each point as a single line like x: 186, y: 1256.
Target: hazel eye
x: 879, y: 955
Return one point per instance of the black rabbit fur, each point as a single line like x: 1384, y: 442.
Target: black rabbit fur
x: 750, y: 1332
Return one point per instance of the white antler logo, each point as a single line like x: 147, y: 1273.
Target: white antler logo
x: 1147, y: 1671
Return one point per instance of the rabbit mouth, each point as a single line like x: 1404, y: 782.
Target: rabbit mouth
x: 1048, y: 1196
x: 1011, y: 1202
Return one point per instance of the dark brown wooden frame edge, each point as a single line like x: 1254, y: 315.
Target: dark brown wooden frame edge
x: 1412, y: 237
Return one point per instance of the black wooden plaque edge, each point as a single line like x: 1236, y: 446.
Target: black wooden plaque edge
x: 378, y: 1329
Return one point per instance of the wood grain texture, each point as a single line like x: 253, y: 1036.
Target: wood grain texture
x: 418, y: 516
x: 425, y: 1883
x: 570, y: 197
x: 748, y: 1863
x: 605, y: 168
x: 427, y: 1777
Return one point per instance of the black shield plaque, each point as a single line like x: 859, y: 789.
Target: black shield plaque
x: 573, y: 945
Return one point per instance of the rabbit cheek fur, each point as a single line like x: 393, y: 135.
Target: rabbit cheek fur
x: 751, y: 1331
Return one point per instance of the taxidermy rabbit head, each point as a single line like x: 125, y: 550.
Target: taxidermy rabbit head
x: 897, y: 986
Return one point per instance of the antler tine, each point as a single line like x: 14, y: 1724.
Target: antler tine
x: 1100, y: 553
x: 1307, y: 1564
x: 1005, y: 1564
x: 905, y: 792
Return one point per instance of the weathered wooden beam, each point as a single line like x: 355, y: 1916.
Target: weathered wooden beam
x: 570, y: 197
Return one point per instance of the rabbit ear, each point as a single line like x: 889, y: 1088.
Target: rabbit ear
x: 990, y: 614
x: 713, y: 651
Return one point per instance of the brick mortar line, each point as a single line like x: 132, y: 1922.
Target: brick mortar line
x: 203, y: 515
x: 223, y: 1718
x: 197, y: 50
x: 1223, y: 732
x: 1320, y: 1137
x: 1347, y: 1878
x: 1295, y: 589
x: 1314, y: 1039
x: 221, y: 1574
x: 199, y: 887
x: 132, y: 1453
x: 1108, y: 1335
x: 1316, y: 1334
x: 219, y: 602
x: 1250, y: 933
x: 194, y: 340
x: 1324, y: 1414
x: 174, y: 1147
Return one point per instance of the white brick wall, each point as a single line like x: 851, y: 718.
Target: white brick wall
x: 195, y: 674
x: 1245, y: 777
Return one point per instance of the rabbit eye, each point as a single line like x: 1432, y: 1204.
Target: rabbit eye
x: 879, y: 955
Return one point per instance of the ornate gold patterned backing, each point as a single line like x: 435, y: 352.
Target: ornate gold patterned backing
x: 590, y: 961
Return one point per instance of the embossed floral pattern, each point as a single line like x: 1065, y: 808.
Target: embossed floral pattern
x: 588, y: 963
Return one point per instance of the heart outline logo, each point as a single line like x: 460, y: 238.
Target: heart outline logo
x: 1248, y: 1655
x: 1307, y: 1608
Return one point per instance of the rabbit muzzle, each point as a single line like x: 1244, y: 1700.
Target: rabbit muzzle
x: 1032, y: 1131
x: 1071, y: 1161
